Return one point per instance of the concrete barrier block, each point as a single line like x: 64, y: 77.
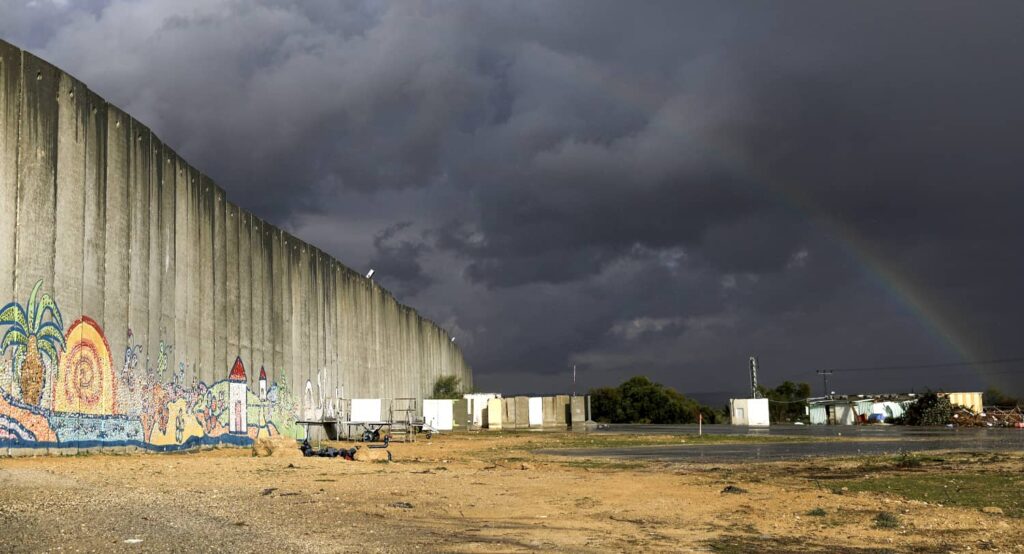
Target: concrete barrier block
x: 550, y: 419
x: 494, y: 413
x: 462, y: 419
x: 508, y: 413
x: 522, y: 412
x: 563, y: 412
x: 578, y: 408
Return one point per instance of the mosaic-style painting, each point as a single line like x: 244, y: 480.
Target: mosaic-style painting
x: 60, y: 386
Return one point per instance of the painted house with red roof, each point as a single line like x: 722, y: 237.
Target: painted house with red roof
x: 263, y: 384
x: 238, y: 390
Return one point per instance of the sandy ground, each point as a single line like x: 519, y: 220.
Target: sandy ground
x: 462, y: 493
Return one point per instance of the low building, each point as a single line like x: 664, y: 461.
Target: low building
x: 749, y: 411
x: 970, y: 400
x: 877, y: 408
x: 838, y: 410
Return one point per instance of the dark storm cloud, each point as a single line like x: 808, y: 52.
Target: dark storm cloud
x: 398, y: 259
x: 663, y: 188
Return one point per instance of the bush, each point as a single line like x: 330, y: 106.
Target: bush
x: 887, y: 520
x: 930, y: 409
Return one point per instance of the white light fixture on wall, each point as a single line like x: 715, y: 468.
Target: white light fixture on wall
x: 370, y: 274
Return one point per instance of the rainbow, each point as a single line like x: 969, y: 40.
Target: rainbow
x: 955, y: 336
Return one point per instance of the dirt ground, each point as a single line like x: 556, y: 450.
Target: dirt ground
x: 476, y: 493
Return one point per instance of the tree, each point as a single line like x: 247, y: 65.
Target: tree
x: 640, y: 400
x: 449, y: 387
x: 995, y: 397
x: 606, y: 404
x: 787, y: 401
x: 35, y: 332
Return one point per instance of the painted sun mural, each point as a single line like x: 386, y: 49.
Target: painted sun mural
x: 86, y: 382
x: 63, y: 388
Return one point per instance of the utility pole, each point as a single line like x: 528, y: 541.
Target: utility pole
x: 824, y: 374
x: 753, y: 377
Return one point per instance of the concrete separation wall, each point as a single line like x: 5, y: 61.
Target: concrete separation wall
x: 143, y: 309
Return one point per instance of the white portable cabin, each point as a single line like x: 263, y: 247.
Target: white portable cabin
x: 749, y: 411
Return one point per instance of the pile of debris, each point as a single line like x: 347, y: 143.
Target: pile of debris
x: 991, y: 417
x: 327, y: 452
x: 283, y: 447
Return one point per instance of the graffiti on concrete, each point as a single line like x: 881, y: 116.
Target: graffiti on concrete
x: 237, y: 398
x: 62, y: 389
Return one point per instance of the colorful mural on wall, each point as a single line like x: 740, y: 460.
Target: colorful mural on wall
x: 62, y: 389
x: 34, y: 335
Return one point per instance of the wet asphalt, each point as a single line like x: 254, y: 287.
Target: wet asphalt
x: 867, y: 440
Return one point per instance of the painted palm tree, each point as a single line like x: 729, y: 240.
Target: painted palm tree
x: 35, y: 332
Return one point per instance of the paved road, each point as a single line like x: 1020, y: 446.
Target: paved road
x: 863, y: 431
x: 871, y: 440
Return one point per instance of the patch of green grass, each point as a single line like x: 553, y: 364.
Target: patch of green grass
x: 817, y: 512
x: 618, y: 441
x: 907, y: 460
x: 591, y: 463
x: 887, y: 520
x: 971, y: 490
x: 743, y: 544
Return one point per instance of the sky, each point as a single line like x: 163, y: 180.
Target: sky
x: 634, y: 188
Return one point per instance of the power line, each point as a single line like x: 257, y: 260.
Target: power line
x: 927, y: 366
x: 824, y: 374
x: 960, y: 369
x: 1007, y: 370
